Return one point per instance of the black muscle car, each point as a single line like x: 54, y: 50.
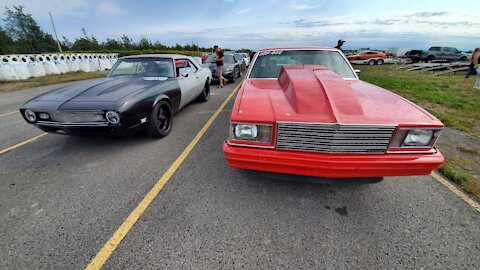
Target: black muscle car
x: 139, y: 93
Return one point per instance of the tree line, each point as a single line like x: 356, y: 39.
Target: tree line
x: 22, y: 34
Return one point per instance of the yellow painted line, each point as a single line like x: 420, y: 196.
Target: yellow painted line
x: 5, y: 114
x: 106, y: 251
x: 455, y: 190
x: 21, y: 144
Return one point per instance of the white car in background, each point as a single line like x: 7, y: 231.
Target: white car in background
x: 246, y: 59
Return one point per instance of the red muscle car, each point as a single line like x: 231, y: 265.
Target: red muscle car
x: 367, y: 55
x: 304, y: 111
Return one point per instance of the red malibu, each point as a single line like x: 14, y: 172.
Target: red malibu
x: 304, y: 111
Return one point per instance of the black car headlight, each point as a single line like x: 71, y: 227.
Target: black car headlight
x: 112, y: 117
x: 30, y: 116
x: 246, y: 132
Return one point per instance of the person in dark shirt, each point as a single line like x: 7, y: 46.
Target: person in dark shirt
x: 219, y: 68
x: 340, y: 44
x: 472, y: 68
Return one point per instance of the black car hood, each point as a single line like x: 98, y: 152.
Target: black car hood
x: 102, y: 90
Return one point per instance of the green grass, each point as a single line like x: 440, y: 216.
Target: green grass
x: 446, y: 97
x: 456, y: 105
x: 49, y: 79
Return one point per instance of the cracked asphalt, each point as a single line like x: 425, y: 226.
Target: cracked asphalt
x: 62, y: 198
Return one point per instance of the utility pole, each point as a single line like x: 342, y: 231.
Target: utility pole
x: 55, y: 31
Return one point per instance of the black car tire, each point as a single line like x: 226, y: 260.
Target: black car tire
x: 371, y: 62
x: 380, y: 62
x: 463, y: 58
x: 160, y: 121
x: 429, y: 59
x: 205, y: 95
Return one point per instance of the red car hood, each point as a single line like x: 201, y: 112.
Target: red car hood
x: 316, y: 94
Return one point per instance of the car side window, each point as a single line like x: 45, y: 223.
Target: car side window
x: 187, y: 67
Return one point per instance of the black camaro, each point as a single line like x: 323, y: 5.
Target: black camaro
x: 139, y: 93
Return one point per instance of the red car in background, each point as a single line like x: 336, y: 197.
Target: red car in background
x: 376, y: 58
x: 304, y: 111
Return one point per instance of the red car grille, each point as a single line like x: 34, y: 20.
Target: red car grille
x: 333, y: 138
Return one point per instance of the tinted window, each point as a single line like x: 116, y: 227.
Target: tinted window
x: 435, y: 49
x: 146, y: 67
x: 268, y: 63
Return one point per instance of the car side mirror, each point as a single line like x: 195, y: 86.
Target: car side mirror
x: 358, y: 71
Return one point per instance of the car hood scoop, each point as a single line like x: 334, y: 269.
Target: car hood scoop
x: 309, y: 88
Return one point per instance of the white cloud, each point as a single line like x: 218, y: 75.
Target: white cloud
x: 110, y: 8
x: 302, y: 6
x: 242, y: 11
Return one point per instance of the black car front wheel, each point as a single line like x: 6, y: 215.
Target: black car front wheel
x: 234, y: 76
x: 161, y: 119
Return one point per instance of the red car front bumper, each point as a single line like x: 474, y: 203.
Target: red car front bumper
x: 331, y: 165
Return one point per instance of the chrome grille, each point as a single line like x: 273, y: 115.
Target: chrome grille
x: 333, y: 138
x: 77, y: 116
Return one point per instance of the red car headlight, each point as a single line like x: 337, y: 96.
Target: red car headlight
x: 415, y: 138
x: 251, y: 132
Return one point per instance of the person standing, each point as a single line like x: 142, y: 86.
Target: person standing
x: 476, y: 65
x: 340, y: 44
x: 474, y: 68
x: 219, y: 67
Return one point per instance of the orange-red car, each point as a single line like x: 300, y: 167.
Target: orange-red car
x: 303, y: 111
x: 365, y: 55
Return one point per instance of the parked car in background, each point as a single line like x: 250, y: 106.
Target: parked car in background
x: 246, y: 58
x: 140, y: 92
x: 204, y: 57
x: 231, y: 66
x: 368, y: 57
x: 239, y: 57
x: 448, y: 54
x: 413, y: 55
x: 303, y: 111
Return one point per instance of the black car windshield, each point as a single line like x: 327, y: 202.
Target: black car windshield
x: 146, y: 67
x: 268, y: 63
x: 227, y: 58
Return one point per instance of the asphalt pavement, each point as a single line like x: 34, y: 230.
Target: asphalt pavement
x: 62, y: 198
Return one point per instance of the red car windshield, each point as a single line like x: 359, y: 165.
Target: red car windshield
x: 268, y: 63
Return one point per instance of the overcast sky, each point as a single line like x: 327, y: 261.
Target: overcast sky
x: 263, y: 23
